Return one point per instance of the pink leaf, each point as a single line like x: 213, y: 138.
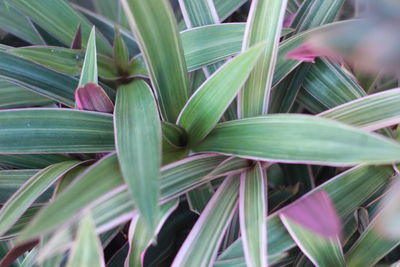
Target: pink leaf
x: 92, y: 97
x: 307, y: 53
x: 315, y: 212
x: 288, y: 20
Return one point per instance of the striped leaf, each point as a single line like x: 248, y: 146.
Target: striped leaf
x: 347, y: 191
x: 37, y: 78
x: 176, y: 179
x: 198, y: 12
x: 322, y: 251
x: 87, y: 250
x: 226, y: 8
x: 17, y: 24
x: 138, y: 143
x: 209, y: 102
x: 89, y: 68
x: 330, y: 85
x: 313, y: 223
x: 371, y: 112
x: 60, y: 20
x: 139, y: 237
x: 253, y: 213
x: 30, y: 161
x: 153, y: 24
x: 371, y: 246
x: 14, y: 96
x: 64, y: 60
x: 264, y: 24
x: 55, y: 130
x: 76, y: 197
x: 31, y: 190
x: 201, y: 246
x: 299, y: 138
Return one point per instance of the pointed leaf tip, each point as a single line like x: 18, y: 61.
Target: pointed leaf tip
x: 315, y: 212
x: 92, y: 97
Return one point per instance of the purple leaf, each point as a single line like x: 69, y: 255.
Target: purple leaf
x: 288, y: 20
x: 92, y: 97
x: 17, y: 251
x: 315, y: 212
x: 307, y: 53
x: 77, y: 42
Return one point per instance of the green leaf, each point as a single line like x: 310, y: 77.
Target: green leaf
x: 313, y: 223
x: 138, y: 143
x: 83, y: 193
x: 264, y: 24
x: 34, y: 161
x: 347, y: 190
x: 17, y: 24
x: 87, y: 250
x: 60, y: 20
x: 140, y: 238
x: 89, y: 68
x: 38, y: 79
x: 226, y: 8
x: 206, y: 106
x: 154, y: 26
x: 198, y: 12
x: 14, y: 96
x: 371, y: 246
x: 64, y: 60
x: 314, y: 140
x: 176, y: 179
x: 55, y: 130
x: 252, y: 214
x: 120, y: 51
x: 330, y: 85
x: 32, y: 189
x: 12, y: 180
x: 201, y: 246
x: 109, y: 9
x: 370, y: 113
x: 322, y: 251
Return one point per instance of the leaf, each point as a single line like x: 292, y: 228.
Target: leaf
x: 87, y: 250
x: 55, y: 130
x: 60, y: 20
x: 33, y: 161
x: 264, y: 24
x: 206, y: 106
x: 64, y: 60
x: 89, y: 68
x: 138, y: 143
x: 153, y: 24
x: 32, y: 189
x: 201, y: 246
x: 11, y: 180
x: 13, y: 96
x: 371, y: 246
x: 38, y: 79
x: 198, y: 12
x: 174, y: 134
x: 330, y: 85
x: 176, y: 179
x: 314, y: 205
x: 226, y: 8
x: 16, y: 252
x: 347, y: 191
x: 139, y: 237
x: 120, y: 51
x: 370, y: 113
x: 313, y: 223
x: 67, y: 203
x: 252, y: 214
x: 315, y: 140
x: 321, y: 250
x: 77, y: 41
x: 93, y: 98
x: 17, y: 24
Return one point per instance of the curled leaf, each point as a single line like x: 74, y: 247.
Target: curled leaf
x: 92, y: 97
